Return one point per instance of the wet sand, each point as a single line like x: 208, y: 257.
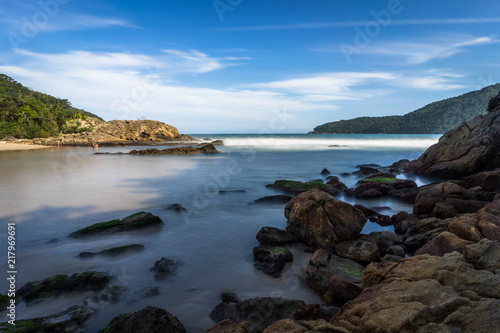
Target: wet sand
x: 18, y: 146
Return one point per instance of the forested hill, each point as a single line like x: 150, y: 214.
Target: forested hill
x: 25, y: 113
x: 435, y: 118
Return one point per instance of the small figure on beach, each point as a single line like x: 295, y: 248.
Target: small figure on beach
x: 95, y: 146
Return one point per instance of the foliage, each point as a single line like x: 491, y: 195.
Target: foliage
x: 25, y: 113
x: 435, y: 118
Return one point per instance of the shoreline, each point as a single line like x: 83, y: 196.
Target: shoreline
x: 4, y: 146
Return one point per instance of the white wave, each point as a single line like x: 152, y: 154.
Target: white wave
x: 284, y: 143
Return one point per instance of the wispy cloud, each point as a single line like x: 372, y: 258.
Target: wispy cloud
x: 432, y: 80
x: 343, y: 24
x: 329, y: 86
x: 194, y: 61
x: 68, y: 21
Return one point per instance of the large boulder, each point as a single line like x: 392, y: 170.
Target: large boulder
x: 271, y: 259
x: 484, y: 255
x: 430, y: 195
x: 446, y: 242
x: 295, y: 187
x: 149, y: 319
x: 471, y: 147
x: 318, y: 218
x: 337, y: 280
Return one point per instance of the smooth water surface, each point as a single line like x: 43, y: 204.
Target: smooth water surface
x: 52, y: 192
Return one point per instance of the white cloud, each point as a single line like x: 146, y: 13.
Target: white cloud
x: 194, y: 61
x: 435, y: 80
x: 329, y: 86
x: 68, y: 21
x: 422, y: 52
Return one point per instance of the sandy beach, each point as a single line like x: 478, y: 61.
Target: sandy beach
x: 4, y: 146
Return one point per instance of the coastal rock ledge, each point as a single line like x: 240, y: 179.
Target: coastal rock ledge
x: 472, y: 147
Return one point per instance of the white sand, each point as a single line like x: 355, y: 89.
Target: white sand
x: 17, y: 146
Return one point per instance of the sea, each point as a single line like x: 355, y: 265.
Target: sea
x: 48, y: 194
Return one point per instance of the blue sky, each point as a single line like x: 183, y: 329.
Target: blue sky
x: 243, y: 66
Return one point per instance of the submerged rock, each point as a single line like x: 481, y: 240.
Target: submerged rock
x: 57, y: 284
x: 114, y: 251
x: 295, y: 187
x: 319, y: 219
x: 273, y: 199
x: 135, y: 221
x: 163, y: 268
x: 149, y: 319
x: 205, y: 149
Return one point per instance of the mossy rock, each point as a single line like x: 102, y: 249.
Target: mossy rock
x: 296, y: 187
x: 163, y: 268
x: 115, y: 251
x: 135, y: 221
x: 57, y: 284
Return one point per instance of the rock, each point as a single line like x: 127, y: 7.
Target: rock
x: 380, y: 184
x: 177, y: 208
x: 271, y: 259
x: 399, y: 306
x: 319, y: 219
x: 366, y: 211
x: 274, y: 199
x: 337, y: 280
x: 111, y: 294
x: 259, y: 312
x: 450, y: 270
x: 148, y: 292
x: 494, y: 103
x: 402, y: 221
x: 431, y: 194
x: 73, y: 319
x: 479, y: 316
x: 382, y: 220
x: 308, y: 312
x: 115, y: 251
x: 303, y: 326
x: 274, y: 236
x: 465, y: 226
x: 296, y: 187
x: 120, y: 131
x: 232, y: 191
x: 359, y: 250
x: 399, y: 166
x: 470, y: 148
x: 445, y: 242
x: 368, y: 169
x: 387, y: 242
x: 444, y: 210
x: 325, y: 172
x: 466, y: 206
x: 229, y: 296
x: 489, y: 220
x: 205, y: 149
x: 149, y: 319
x: 488, y: 180
x: 136, y: 221
x: 484, y: 255
x: 227, y: 326
x: 217, y: 143
x: 57, y: 284
x: 422, y: 232
x: 163, y: 268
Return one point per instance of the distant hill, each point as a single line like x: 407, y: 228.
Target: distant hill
x: 435, y: 118
x: 25, y: 113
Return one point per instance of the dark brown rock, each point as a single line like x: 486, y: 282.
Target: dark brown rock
x: 319, y: 219
x: 271, y: 259
x: 484, y: 255
x: 275, y: 236
x: 445, y: 242
x: 431, y: 194
x: 422, y: 232
x: 465, y: 226
x: 488, y: 180
x: 359, y: 250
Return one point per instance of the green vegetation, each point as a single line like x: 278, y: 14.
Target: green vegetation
x: 98, y: 227
x: 381, y: 180
x: 27, y: 114
x: 435, y: 118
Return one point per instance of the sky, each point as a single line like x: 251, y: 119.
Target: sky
x: 250, y: 66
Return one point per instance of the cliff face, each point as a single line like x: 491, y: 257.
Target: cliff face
x: 471, y: 147
x: 121, y: 131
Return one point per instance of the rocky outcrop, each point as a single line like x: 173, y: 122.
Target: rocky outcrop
x: 318, y: 218
x: 274, y: 236
x: 114, y: 251
x: 273, y: 199
x: 295, y: 187
x: 471, y: 147
x: 205, y: 149
x: 135, y: 221
x: 149, y: 319
x: 120, y: 131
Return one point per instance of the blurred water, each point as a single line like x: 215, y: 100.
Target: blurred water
x: 51, y: 193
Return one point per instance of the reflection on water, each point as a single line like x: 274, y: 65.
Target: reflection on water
x: 51, y: 194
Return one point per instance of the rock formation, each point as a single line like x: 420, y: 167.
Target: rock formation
x: 471, y: 147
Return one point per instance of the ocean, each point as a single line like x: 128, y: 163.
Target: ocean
x: 52, y: 192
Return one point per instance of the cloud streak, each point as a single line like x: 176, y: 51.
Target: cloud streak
x: 395, y: 22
